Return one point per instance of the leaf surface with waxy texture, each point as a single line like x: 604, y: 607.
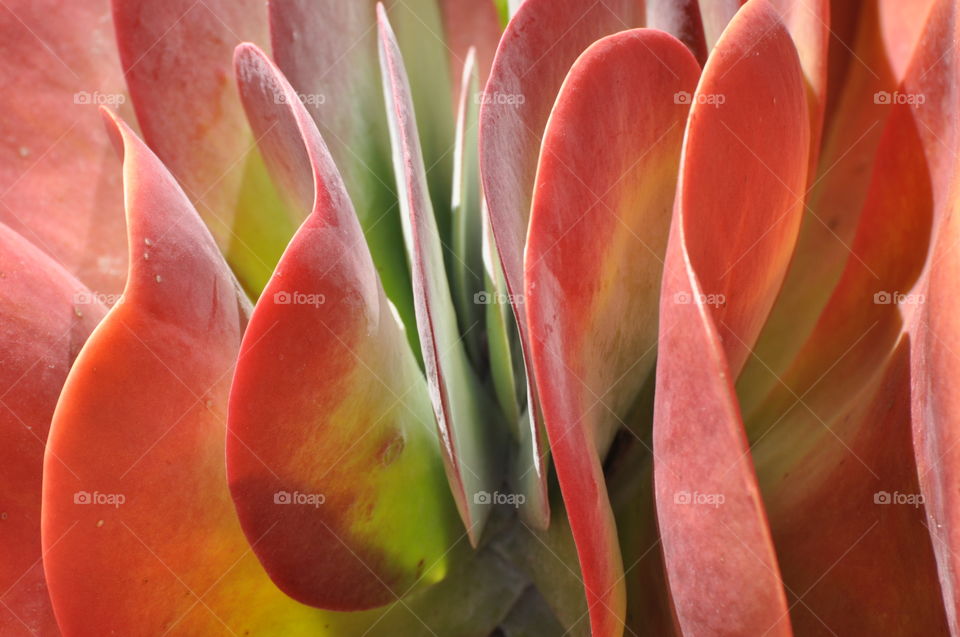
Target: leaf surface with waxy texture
x: 45, y: 317
x: 594, y: 257
x: 351, y: 419
x: 729, y: 248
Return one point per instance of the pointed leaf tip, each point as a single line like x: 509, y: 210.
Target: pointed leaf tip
x: 329, y: 416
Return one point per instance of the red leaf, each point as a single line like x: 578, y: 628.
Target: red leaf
x: 59, y: 178
x: 736, y: 218
x: 536, y: 51
x: 138, y: 530
x: 327, y: 398
x: 598, y: 232
x: 46, y: 316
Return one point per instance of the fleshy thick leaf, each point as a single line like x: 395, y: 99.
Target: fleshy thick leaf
x: 594, y: 258
x: 470, y: 431
x: 934, y: 326
x: 139, y: 534
x: 909, y: 189
x: 46, y: 315
x: 59, y: 178
x: 138, y: 441
x: 729, y: 248
x: 328, y: 51
x: 832, y: 446
x: 847, y: 515
x: 177, y: 60
x: 350, y: 423
x: 935, y: 412
x: 536, y: 51
x: 836, y: 194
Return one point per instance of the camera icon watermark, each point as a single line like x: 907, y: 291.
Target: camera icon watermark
x: 896, y: 298
x: 99, y: 99
x: 712, y: 300
x: 87, y: 297
x: 496, y: 298
x: 697, y: 498
x: 297, y: 498
x: 886, y: 97
x: 885, y: 497
x: 503, y: 99
x: 108, y: 499
x: 713, y: 99
x: 515, y: 500
x: 307, y: 99
x: 298, y: 298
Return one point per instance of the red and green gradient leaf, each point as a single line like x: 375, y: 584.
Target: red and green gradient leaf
x: 138, y: 530
x: 833, y: 439
x: 350, y: 419
x: 328, y: 52
x: 594, y: 258
x: 535, y: 53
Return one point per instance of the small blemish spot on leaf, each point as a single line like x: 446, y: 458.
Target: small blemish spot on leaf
x: 99, y: 523
x: 78, y: 312
x: 147, y: 241
x: 391, y: 449
x: 146, y: 256
x: 159, y: 279
x: 24, y: 151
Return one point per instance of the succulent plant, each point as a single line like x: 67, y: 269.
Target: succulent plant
x: 475, y: 318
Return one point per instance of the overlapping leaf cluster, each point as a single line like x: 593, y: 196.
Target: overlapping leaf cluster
x: 464, y: 318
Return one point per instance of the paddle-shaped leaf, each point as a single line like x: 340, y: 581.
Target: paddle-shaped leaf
x: 46, y: 315
x: 350, y: 423
x: 536, y: 51
x: 594, y: 258
x: 745, y: 158
x: 833, y: 441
